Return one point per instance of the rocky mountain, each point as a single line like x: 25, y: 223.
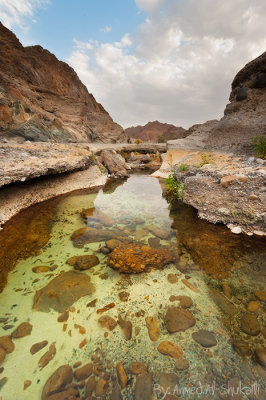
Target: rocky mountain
x: 244, y: 117
x: 42, y: 99
x: 156, y: 132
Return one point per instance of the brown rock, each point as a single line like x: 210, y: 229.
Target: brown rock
x: 178, y: 319
x: 223, y: 303
x: 154, y: 242
x: 172, y: 278
x: 92, y: 303
x: 184, y: 301
x: 116, y: 393
x: 57, y: 381
x: 40, y: 269
x: 204, y: 338
x: 250, y: 324
x: 253, y: 306
x: 92, y: 214
x: 181, y: 364
x: 241, y: 348
x: 126, y: 327
x: 63, y: 317
x: 143, y: 387
x: 101, y: 387
x: 169, y: 383
x: 84, y: 372
x: 153, y: 329
x: 170, y: 349
x: 62, y: 291
x: 228, y: 180
x: 190, y: 286
x: 137, y: 368
x: 139, y: 234
x: 92, y: 235
x: 27, y: 383
x: 90, y: 385
x: 7, y: 344
x: 260, y: 354
x: 38, y: 346
x: 82, y: 263
x: 159, y: 232
x: 113, y: 243
x: 48, y: 356
x: 107, y: 322
x: 22, y: 330
x: 2, y: 355
x: 121, y: 375
x: 132, y: 258
x: 123, y: 296
x: 68, y: 394
x: 227, y: 290
x: 261, y: 295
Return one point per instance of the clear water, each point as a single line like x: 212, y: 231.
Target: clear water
x: 208, y: 256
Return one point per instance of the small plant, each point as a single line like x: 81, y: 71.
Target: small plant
x: 205, y: 159
x: 175, y: 188
x: 137, y: 141
x: 182, y: 167
x: 259, y: 146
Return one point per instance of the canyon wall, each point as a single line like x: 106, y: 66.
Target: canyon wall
x: 42, y: 99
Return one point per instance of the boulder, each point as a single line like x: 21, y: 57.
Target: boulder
x: 115, y: 163
x: 83, y: 262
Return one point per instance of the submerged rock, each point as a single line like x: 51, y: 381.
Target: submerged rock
x: 121, y: 375
x: 57, y: 381
x: 260, y: 354
x: 159, y: 232
x: 181, y: 364
x: 92, y: 214
x: 133, y: 258
x: 7, y: 344
x: 107, y: 322
x: 84, y: 372
x: 38, y: 346
x: 126, y: 327
x: 153, y: 328
x: 250, y: 324
x: 204, y: 338
x: 144, y: 387
x: 137, y: 368
x: 170, y: 349
x: 83, y: 262
x: 169, y: 382
x: 22, y: 330
x: 91, y: 235
x: 48, y: 356
x: 184, y: 301
x: 178, y: 319
x: 223, y: 303
x: 62, y: 291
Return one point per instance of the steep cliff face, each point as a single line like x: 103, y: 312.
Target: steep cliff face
x: 244, y: 117
x: 156, y: 131
x: 42, y: 99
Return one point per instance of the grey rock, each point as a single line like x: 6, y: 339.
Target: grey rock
x: 204, y: 338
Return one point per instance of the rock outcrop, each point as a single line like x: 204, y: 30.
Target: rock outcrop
x: 244, y: 117
x: 156, y: 132
x: 42, y: 99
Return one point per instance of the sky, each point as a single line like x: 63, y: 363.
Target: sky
x: 147, y: 60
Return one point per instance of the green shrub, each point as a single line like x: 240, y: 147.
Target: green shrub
x: 174, y: 187
x: 259, y: 145
x: 182, y: 167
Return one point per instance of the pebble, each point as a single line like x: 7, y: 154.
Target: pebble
x: 126, y: 327
x: 169, y: 382
x: 260, y: 354
x: 153, y: 328
x: 107, y: 322
x: 27, y: 383
x: 90, y: 385
x: 143, y: 387
x: 253, y: 306
x: 63, y: 317
x: 2, y: 355
x: 22, y: 330
x: 250, y: 324
x: 137, y: 368
x: 204, y: 338
x: 178, y: 319
x: 38, y: 346
x: 101, y: 387
x: 170, y: 349
x: 181, y: 364
x: 48, y: 356
x: 261, y: 295
x: 84, y: 372
x: 7, y: 344
x: 121, y: 375
x: 184, y: 301
x: 172, y: 278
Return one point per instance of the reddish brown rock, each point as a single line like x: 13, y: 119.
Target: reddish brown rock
x: 57, y: 381
x: 84, y: 372
x: 121, y: 375
x: 132, y: 258
x: 101, y: 387
x: 184, y: 301
x: 107, y: 322
x: 126, y: 327
x: 48, y: 356
x: 178, y: 319
x: 43, y: 99
x: 153, y: 328
x: 27, y: 383
x: 170, y: 349
x: 22, y: 330
x: 90, y: 385
x: 250, y: 324
x: 7, y: 344
x: 62, y: 291
x: 63, y: 317
x: 137, y: 368
x: 38, y: 346
x: 2, y: 355
x: 82, y: 263
x: 40, y: 269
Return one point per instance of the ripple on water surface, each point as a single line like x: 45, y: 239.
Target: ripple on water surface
x: 193, y: 317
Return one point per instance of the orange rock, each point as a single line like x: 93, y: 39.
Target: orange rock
x: 22, y: 330
x: 153, y: 329
x: 190, y: 286
x: 7, y: 344
x: 27, y: 383
x: 170, y: 349
x: 48, y: 356
x: 121, y: 375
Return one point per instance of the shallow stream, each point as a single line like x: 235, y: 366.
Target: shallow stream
x: 222, y: 276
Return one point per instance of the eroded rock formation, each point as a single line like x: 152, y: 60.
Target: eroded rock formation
x: 42, y: 98
x: 156, y: 132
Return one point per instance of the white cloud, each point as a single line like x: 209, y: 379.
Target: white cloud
x: 106, y: 29
x: 180, y: 65
x: 13, y: 12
